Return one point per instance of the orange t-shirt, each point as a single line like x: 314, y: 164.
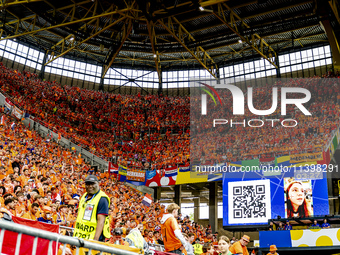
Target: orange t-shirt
x: 29, y: 215
x: 237, y: 248
x: 171, y: 242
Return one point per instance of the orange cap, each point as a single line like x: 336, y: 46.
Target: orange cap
x: 273, y: 248
x: 246, y: 237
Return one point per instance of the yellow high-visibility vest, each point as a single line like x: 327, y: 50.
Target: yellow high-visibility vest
x: 86, y: 224
x: 198, y: 248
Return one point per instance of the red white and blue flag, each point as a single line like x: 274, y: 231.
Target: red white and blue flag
x: 2, y: 120
x: 147, y: 200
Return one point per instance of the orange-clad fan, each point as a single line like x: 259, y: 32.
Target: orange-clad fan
x: 174, y: 241
x: 240, y: 247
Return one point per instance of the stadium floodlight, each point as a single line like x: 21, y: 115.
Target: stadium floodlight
x: 202, y: 9
x: 154, y: 55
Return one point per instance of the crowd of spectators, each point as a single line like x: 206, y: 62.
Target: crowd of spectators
x: 241, y: 141
x: 153, y: 131
x: 140, y: 129
x: 39, y: 180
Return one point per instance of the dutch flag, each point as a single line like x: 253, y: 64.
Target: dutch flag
x: 2, y: 120
x: 13, y: 125
x: 147, y: 200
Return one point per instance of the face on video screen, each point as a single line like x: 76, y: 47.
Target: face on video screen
x: 298, y: 198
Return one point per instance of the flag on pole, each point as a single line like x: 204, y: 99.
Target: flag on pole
x: 147, y: 200
x: 2, y: 120
x: 13, y: 125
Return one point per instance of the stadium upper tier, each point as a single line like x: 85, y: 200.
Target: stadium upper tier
x: 155, y: 129
x: 243, y: 141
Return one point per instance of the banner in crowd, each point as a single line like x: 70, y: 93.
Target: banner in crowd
x: 17, y: 113
x: 113, y: 169
x: 267, y: 161
x: 335, y: 141
x: 163, y: 177
x: 187, y: 174
x: 306, y: 157
x: 195, y: 174
x: 122, y: 172
x: 8, y: 104
x: 135, y: 175
x: 26, y: 246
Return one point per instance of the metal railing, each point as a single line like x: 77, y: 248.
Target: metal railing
x: 68, y: 229
x: 54, y: 237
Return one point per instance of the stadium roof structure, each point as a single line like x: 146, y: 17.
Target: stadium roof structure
x: 165, y: 35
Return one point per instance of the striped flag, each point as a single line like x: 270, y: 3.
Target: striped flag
x: 147, y: 200
x: 2, y: 120
x: 13, y: 125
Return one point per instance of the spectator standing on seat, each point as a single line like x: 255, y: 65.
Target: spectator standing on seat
x: 174, y: 241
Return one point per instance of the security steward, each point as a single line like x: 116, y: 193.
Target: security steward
x: 92, y: 221
x: 198, y: 248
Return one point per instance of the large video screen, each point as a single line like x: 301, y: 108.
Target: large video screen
x: 252, y: 198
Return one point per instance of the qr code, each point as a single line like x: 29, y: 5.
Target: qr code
x: 249, y: 201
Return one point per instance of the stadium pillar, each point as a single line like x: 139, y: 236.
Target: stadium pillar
x: 197, y: 201
x: 277, y: 62
x: 218, y: 74
x: 334, y: 43
x: 101, y: 84
x: 157, y: 193
x: 178, y: 194
x: 213, y: 206
x: 160, y: 83
x: 42, y: 70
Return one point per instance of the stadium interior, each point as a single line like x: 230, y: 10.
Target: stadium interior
x: 108, y: 88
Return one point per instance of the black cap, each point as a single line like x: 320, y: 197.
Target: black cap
x: 91, y: 178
